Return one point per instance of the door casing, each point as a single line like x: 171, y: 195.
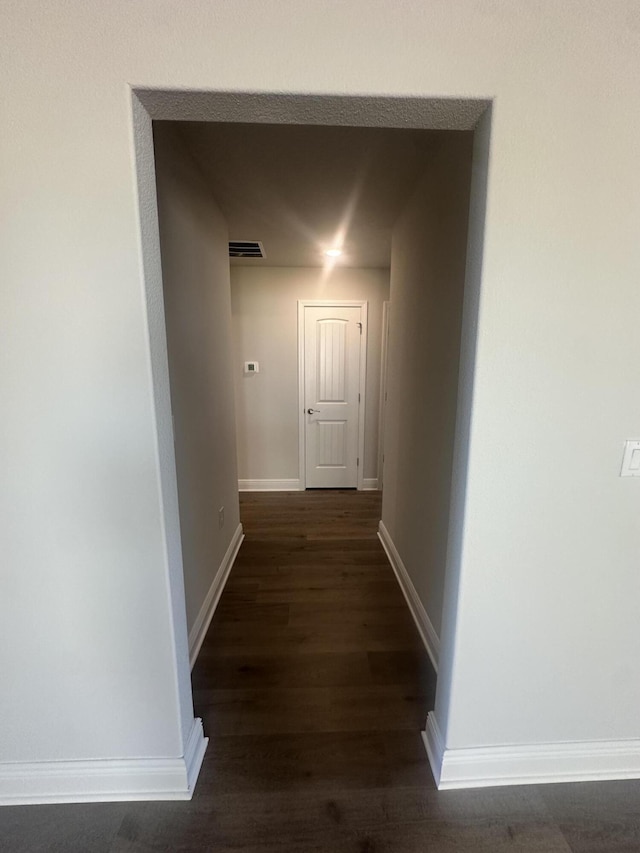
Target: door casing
x: 328, y: 303
x: 384, y: 358
x: 161, y: 103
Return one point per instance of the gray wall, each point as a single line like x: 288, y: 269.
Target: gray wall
x: 550, y: 538
x: 427, y: 284
x: 265, y: 328
x: 195, y: 269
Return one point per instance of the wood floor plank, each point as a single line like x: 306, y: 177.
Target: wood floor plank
x: 270, y: 710
x: 327, y: 636
x: 63, y: 827
x: 378, y: 594
x: 373, y: 820
x: 596, y: 818
x: 399, y: 667
x: 245, y: 610
x: 301, y: 577
x: 333, y: 616
x: 284, y: 670
x: 326, y: 761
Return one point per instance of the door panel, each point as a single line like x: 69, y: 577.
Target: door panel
x: 332, y: 351
x: 331, y: 365
x: 331, y: 444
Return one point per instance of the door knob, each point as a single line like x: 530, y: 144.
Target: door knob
x: 313, y: 411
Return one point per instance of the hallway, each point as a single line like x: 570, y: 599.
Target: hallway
x: 312, y: 675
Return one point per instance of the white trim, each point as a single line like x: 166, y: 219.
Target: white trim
x: 302, y: 436
x: 434, y: 744
x: 364, y: 338
x: 204, y: 617
x: 364, y: 314
x: 382, y: 407
x: 370, y: 484
x: 269, y: 485
x: 529, y: 764
x: 423, y: 623
x: 105, y: 780
x: 194, y: 754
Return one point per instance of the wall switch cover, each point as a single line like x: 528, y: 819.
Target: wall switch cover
x: 631, y: 459
x: 251, y: 367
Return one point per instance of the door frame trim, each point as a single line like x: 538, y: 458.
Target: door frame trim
x: 153, y: 102
x: 302, y: 448
x: 384, y: 363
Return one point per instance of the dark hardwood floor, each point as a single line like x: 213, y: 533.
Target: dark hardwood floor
x: 313, y: 687
x: 312, y: 678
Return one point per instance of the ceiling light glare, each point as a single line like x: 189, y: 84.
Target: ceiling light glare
x: 333, y: 253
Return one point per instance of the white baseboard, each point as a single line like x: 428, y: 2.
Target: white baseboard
x: 423, y: 623
x: 204, y: 617
x: 368, y: 484
x: 269, y: 485
x: 434, y: 745
x: 530, y: 764
x: 105, y: 780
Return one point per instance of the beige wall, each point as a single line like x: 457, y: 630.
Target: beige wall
x: 265, y: 328
x: 195, y: 270
x: 427, y: 284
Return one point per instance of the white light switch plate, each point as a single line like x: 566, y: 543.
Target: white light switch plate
x: 631, y: 459
x: 251, y: 367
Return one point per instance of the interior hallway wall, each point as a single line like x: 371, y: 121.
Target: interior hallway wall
x: 265, y: 329
x: 195, y: 269
x: 548, y: 539
x: 427, y: 284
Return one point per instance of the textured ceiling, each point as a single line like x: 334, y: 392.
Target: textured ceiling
x: 301, y: 188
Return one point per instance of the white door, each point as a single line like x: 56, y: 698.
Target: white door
x: 334, y: 341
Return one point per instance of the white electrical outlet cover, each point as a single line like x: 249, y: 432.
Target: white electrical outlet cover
x: 631, y: 459
x: 251, y: 367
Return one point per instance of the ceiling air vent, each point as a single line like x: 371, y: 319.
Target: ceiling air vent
x: 246, y: 249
